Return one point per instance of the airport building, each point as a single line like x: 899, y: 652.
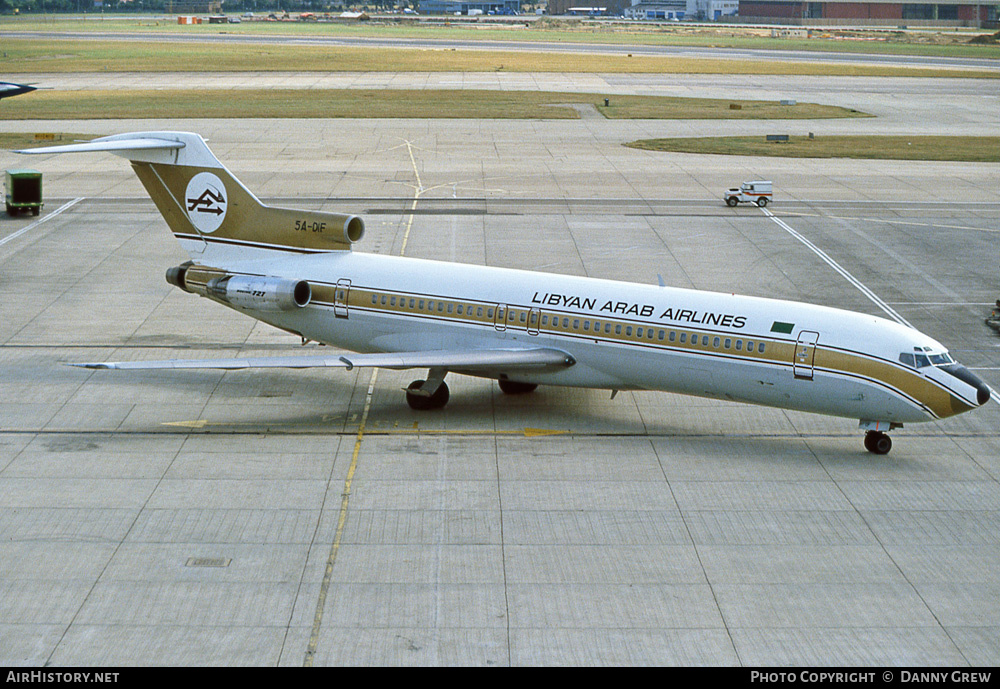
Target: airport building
x: 676, y: 10
x: 795, y: 12
x: 503, y: 7
x: 874, y: 12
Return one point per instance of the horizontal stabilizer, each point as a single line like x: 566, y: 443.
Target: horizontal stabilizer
x: 455, y: 360
x: 107, y: 144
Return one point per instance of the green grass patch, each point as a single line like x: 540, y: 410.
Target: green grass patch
x: 70, y: 56
x: 974, y: 149
x: 375, y: 103
x: 676, y: 108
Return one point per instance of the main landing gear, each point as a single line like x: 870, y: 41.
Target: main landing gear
x: 423, y: 395
x: 432, y: 393
x: 509, y: 387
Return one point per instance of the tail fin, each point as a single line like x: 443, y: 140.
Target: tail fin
x: 210, y: 211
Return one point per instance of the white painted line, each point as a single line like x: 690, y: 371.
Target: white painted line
x: 64, y: 207
x: 875, y: 299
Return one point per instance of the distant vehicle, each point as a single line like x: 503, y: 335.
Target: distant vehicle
x: 758, y: 191
x: 7, y: 89
x: 23, y: 191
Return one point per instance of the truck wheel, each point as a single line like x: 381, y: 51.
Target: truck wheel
x: 732, y: 201
x: 762, y: 201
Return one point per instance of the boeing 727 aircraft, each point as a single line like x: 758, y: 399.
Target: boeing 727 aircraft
x: 295, y: 270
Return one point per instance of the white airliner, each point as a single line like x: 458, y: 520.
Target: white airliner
x: 295, y: 270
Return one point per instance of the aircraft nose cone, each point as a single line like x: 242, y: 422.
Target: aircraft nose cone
x: 983, y: 393
x: 966, y: 376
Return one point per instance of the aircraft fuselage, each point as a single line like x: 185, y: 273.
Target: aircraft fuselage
x: 626, y: 336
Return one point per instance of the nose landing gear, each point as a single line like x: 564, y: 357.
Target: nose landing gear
x: 876, y: 439
x: 878, y: 442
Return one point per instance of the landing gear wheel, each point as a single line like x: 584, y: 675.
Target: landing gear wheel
x: 509, y: 387
x: 762, y: 201
x: 424, y: 402
x: 877, y: 442
x: 732, y: 201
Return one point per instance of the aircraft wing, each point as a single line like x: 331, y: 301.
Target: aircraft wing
x: 453, y: 360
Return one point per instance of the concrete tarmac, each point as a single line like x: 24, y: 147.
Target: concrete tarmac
x: 311, y: 517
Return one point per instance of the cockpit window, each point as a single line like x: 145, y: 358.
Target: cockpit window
x: 919, y: 360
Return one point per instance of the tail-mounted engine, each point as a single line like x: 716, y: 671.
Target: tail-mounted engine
x: 256, y: 292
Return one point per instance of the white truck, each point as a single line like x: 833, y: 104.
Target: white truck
x: 757, y: 191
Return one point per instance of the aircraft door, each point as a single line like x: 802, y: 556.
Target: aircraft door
x: 341, y: 297
x: 805, y: 354
x: 500, y: 318
x: 534, y: 320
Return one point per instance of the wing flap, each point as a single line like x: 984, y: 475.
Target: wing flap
x: 478, y: 360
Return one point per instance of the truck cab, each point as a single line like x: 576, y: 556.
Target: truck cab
x: 757, y: 191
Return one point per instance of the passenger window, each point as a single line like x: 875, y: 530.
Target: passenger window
x: 638, y: 332
x: 440, y: 306
x: 459, y: 309
x: 607, y: 328
x: 717, y: 343
x: 489, y: 313
x: 739, y: 345
x: 727, y: 343
x: 479, y: 312
x: 586, y: 326
x: 374, y: 297
x: 749, y: 346
x: 660, y: 335
x: 684, y: 338
x: 760, y: 347
x: 628, y: 331
x: 618, y: 330
x: 673, y: 336
x: 576, y: 324
x: 450, y: 307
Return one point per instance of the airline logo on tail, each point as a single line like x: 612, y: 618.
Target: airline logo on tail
x: 206, y: 202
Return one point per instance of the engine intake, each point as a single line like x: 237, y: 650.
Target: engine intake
x: 260, y: 293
